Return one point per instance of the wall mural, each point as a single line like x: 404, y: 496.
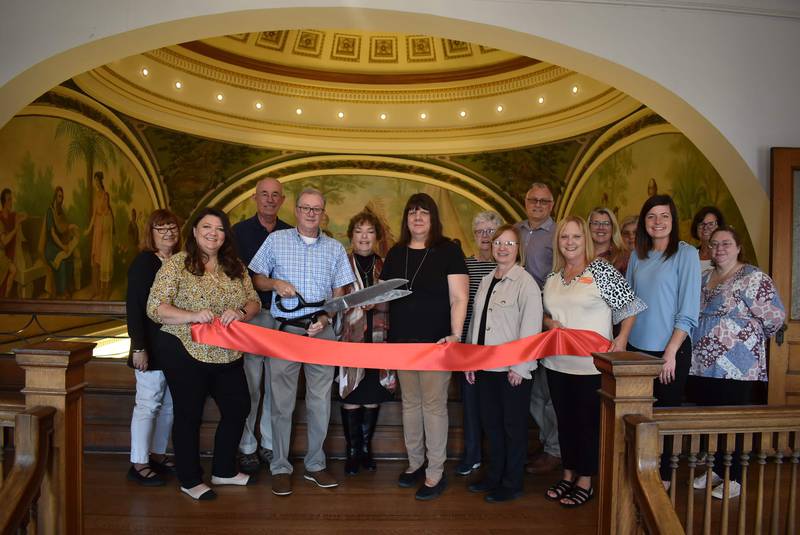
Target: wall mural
x: 73, y: 216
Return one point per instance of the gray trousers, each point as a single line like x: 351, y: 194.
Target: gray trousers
x: 319, y: 381
x: 256, y: 370
x: 544, y: 414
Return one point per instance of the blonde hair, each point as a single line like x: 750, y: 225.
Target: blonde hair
x: 617, y: 248
x: 558, y: 258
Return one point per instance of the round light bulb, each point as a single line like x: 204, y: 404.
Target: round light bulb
x: 259, y: 105
x: 423, y: 115
x: 145, y: 71
x: 178, y: 85
x: 499, y: 108
x: 299, y: 111
x: 541, y: 100
x: 340, y: 115
x: 462, y: 114
x: 382, y: 116
x: 574, y: 89
x: 220, y: 97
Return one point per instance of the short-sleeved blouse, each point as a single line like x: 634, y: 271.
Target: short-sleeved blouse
x: 214, y: 291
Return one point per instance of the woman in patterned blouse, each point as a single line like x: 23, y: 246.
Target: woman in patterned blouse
x: 739, y: 309
x: 205, y: 281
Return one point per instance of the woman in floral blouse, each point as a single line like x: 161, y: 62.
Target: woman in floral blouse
x: 205, y: 281
x: 739, y: 309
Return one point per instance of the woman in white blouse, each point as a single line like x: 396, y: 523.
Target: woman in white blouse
x: 507, y: 307
x: 589, y: 295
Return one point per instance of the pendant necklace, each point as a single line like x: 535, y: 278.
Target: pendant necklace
x: 411, y: 282
x: 363, y: 273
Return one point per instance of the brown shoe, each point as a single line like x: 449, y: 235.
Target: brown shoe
x: 322, y: 479
x: 543, y: 464
x: 281, y: 484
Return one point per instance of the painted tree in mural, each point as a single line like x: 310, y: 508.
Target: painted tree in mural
x: 612, y: 179
x: 695, y: 183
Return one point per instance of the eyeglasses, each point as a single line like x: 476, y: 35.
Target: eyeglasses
x: 316, y: 210
x: 166, y: 230
x: 538, y: 202
x: 721, y: 244
x: 508, y: 243
x: 710, y: 224
x: 484, y: 231
x: 600, y: 224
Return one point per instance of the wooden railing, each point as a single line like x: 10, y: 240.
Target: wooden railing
x: 634, y: 436
x: 33, y: 434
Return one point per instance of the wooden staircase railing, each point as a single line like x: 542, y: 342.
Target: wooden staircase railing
x: 33, y: 449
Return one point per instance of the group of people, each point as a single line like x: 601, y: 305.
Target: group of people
x: 636, y: 284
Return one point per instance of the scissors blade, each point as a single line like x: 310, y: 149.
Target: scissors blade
x: 377, y: 293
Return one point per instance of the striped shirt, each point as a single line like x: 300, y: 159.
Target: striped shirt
x: 477, y: 269
x: 314, y: 269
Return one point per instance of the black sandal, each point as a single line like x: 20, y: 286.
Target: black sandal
x: 164, y: 466
x: 560, y: 490
x: 578, y: 495
x: 145, y: 476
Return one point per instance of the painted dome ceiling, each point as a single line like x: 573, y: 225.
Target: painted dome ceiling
x: 353, y: 91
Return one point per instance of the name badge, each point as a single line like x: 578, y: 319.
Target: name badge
x: 585, y: 280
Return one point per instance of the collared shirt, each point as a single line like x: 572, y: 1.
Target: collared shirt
x: 314, y: 269
x: 250, y: 234
x: 538, y: 243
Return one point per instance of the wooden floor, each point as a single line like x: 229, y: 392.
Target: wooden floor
x: 365, y: 503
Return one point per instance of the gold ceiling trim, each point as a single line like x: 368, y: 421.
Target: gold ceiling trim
x: 181, y: 63
x: 381, y: 49
x: 589, y: 106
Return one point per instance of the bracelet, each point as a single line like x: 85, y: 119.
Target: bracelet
x: 243, y: 311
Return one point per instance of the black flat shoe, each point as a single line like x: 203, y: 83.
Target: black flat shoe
x: 145, y: 476
x: 502, y: 494
x: 428, y: 493
x: 481, y: 486
x: 408, y: 480
x: 164, y: 466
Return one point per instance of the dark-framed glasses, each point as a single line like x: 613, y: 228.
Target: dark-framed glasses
x: 708, y: 225
x: 316, y: 210
x: 537, y: 201
x: 172, y: 229
x: 600, y: 224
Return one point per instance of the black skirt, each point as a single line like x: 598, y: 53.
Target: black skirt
x: 369, y: 391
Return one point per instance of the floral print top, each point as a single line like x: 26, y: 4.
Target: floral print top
x: 736, y: 318
x: 214, y: 291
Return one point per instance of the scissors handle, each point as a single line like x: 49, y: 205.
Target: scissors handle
x: 301, y: 303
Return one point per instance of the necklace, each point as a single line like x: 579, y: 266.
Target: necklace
x: 410, y: 284
x: 364, y: 273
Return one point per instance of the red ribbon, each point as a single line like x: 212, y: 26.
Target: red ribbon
x: 443, y: 357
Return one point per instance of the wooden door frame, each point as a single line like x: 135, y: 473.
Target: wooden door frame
x: 784, y: 163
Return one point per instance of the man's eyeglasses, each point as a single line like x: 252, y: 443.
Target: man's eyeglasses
x: 311, y: 209
x: 507, y: 243
x: 166, y: 230
x: 484, y: 231
x: 600, y: 224
x: 539, y: 202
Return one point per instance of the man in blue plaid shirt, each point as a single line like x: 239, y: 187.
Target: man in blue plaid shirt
x: 301, y: 260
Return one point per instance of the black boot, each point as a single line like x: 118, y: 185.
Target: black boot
x: 367, y: 430
x: 351, y: 425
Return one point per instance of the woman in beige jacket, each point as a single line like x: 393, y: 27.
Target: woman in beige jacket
x: 508, y: 306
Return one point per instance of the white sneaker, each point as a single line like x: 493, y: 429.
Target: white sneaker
x: 700, y: 481
x: 733, y: 492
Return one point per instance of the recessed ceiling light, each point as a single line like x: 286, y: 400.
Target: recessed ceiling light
x: 299, y: 111
x: 500, y: 108
x: 220, y: 97
x: 178, y: 85
x: 145, y: 71
x: 340, y: 115
x: 259, y: 105
x: 541, y: 100
x: 383, y: 116
x: 462, y: 114
x: 423, y: 115
x: 574, y: 89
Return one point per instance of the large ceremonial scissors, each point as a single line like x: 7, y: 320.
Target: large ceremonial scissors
x: 381, y: 292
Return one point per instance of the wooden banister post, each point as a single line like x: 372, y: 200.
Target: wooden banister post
x: 54, y: 377
x: 627, y: 388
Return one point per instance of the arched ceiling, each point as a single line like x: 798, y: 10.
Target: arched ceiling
x: 356, y: 91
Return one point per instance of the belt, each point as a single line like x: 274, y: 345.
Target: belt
x: 300, y: 323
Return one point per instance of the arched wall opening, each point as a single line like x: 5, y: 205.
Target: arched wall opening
x: 168, y: 28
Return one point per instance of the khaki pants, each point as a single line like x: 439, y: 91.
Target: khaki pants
x: 425, y: 422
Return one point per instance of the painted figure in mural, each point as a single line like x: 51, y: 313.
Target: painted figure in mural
x: 704, y: 223
x: 250, y: 234
x: 434, y: 312
x: 362, y: 391
x: 628, y: 233
x: 739, y: 310
x: 102, y: 228
x: 301, y: 261
x: 204, y: 282
x: 60, y: 240
x: 583, y: 292
x: 10, y: 222
x: 132, y: 246
x: 98, y: 194
x: 665, y: 273
x: 652, y: 187
x: 484, y: 226
x: 537, y: 236
x: 607, y: 239
x: 151, y: 421
x: 508, y: 307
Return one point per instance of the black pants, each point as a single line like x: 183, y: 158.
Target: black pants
x: 710, y: 392
x: 190, y: 384
x: 672, y: 394
x: 472, y: 422
x: 504, y: 415
x: 577, y: 406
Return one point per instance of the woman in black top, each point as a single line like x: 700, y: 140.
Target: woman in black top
x: 151, y: 422
x: 434, y: 312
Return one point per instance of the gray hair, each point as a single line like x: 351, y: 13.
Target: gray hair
x: 311, y: 191
x: 540, y: 185
x: 488, y: 216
